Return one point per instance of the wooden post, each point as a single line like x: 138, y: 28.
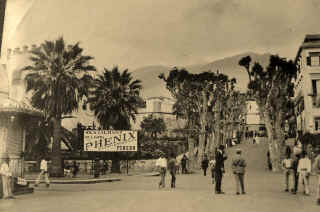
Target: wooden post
x: 127, y: 164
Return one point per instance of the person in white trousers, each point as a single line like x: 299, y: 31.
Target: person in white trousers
x: 6, y: 176
x: 43, y: 172
x: 304, y: 170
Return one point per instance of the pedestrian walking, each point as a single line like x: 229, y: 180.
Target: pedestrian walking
x: 184, y: 161
x: 212, y: 165
x: 295, y: 175
x: 304, y: 170
x: 162, y: 165
x: 178, y: 167
x: 316, y: 169
x: 205, y: 164
x: 238, y: 167
x: 219, y: 168
x: 43, y: 172
x: 6, y: 177
x: 172, y: 169
x: 269, y: 161
x: 288, y: 170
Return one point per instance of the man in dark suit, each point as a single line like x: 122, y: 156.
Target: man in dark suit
x: 219, y: 168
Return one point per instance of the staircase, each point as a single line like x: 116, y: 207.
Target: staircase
x: 254, y: 154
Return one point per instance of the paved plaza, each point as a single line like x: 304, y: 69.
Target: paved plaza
x: 194, y: 192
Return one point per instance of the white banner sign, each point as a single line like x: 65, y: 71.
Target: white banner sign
x: 110, y: 141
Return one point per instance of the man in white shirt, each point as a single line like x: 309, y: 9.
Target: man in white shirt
x: 304, y: 170
x: 43, y: 172
x: 161, y: 163
x: 6, y: 179
x: 288, y: 170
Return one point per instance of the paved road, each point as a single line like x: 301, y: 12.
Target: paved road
x: 193, y: 193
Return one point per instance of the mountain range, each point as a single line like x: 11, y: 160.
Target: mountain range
x: 153, y: 86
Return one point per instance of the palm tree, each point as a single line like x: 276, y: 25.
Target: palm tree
x: 115, y: 98
x: 58, y: 79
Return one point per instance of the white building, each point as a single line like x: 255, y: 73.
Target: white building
x: 307, y: 85
x: 159, y: 107
x: 253, y: 120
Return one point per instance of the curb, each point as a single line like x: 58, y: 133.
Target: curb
x: 85, y: 181
x: 150, y: 174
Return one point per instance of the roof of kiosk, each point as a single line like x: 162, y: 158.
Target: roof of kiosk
x: 8, y: 105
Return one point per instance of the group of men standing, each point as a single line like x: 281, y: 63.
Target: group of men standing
x: 217, y: 169
x: 298, y: 166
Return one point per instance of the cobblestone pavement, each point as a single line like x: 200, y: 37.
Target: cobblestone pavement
x: 193, y: 193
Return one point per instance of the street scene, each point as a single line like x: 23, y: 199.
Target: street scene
x: 159, y: 105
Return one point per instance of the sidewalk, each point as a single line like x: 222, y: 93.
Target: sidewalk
x: 81, y: 179
x: 89, y: 179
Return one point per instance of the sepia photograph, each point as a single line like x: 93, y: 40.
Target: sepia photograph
x: 159, y: 105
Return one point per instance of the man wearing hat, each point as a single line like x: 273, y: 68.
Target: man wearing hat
x: 219, y: 168
x: 6, y: 179
x: 162, y: 165
x: 238, y: 167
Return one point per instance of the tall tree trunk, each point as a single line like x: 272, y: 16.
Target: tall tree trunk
x: 212, y: 146
x: 218, y: 125
x: 203, y: 122
x: 56, y: 160
x: 273, y: 141
x: 279, y: 130
x: 191, y: 143
x: 208, y: 145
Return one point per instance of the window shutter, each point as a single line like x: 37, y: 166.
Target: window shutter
x: 309, y: 61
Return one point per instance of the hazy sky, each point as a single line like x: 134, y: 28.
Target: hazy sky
x: 135, y: 33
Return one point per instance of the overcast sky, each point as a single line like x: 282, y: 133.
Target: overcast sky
x: 135, y: 33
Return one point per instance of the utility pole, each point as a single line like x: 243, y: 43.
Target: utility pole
x: 3, y: 4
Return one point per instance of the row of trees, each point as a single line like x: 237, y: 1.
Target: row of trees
x: 61, y: 79
x: 213, y: 109
x: 272, y: 88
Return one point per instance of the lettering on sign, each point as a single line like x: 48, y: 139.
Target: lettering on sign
x: 110, y: 140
